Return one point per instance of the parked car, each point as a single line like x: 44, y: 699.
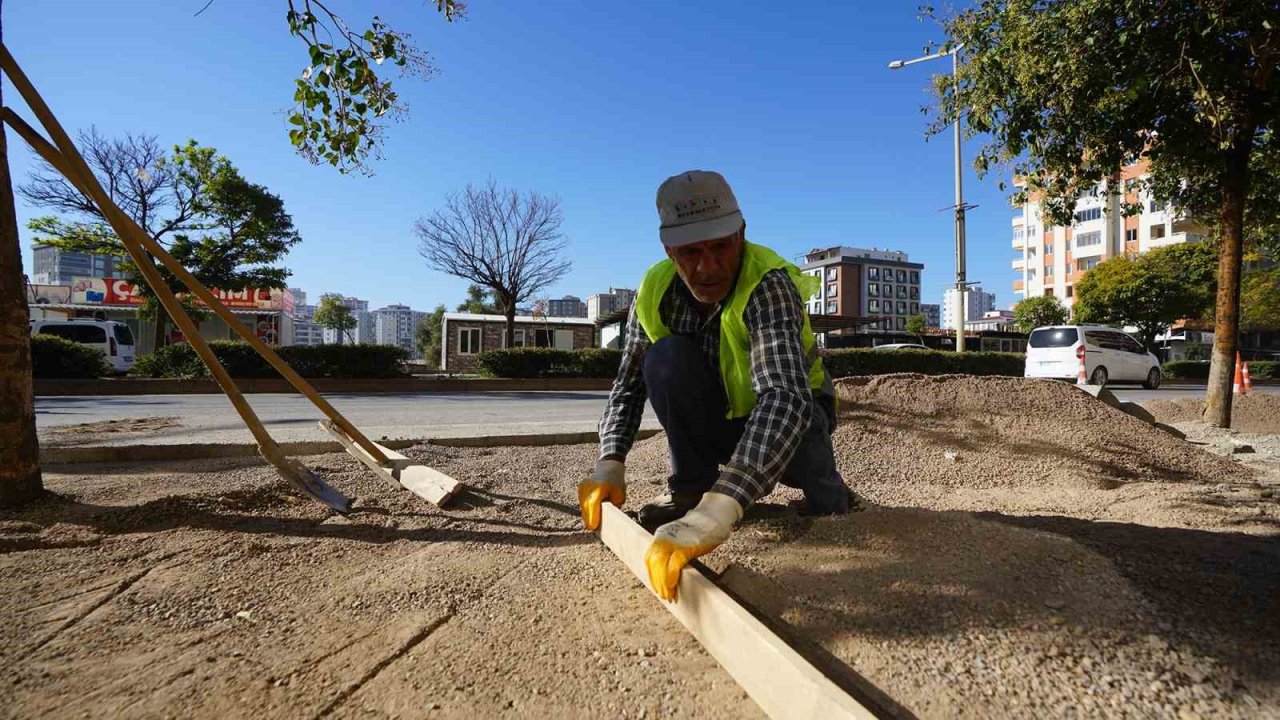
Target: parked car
x: 113, y: 338
x: 1109, y: 355
x: 902, y: 346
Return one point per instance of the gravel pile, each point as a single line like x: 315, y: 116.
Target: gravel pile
x: 1256, y: 413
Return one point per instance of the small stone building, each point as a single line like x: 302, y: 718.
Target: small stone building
x: 466, y: 335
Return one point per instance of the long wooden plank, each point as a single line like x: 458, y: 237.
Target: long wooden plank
x: 400, y: 472
x: 773, y: 674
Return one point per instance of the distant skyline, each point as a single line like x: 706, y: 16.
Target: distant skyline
x: 593, y: 103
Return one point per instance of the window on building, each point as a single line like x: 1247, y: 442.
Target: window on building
x: 831, y: 290
x: 831, y: 307
x: 902, y: 291
x: 902, y: 276
x: 1131, y: 235
x: 873, y: 273
x: 915, y: 293
x: 1070, y: 290
x: 873, y: 306
x: 915, y: 277
x: 468, y: 341
x: 1031, y: 231
x: 1088, y: 239
x: 1157, y: 231
x: 1048, y: 271
x: 915, y: 308
x: 1152, y: 207
x: 902, y: 323
x: 1088, y: 214
x: 1048, y: 248
x: 873, y: 290
x: 518, y: 340
x: 1084, y: 264
x: 1031, y: 274
x: 1048, y: 292
x: 902, y: 308
x: 542, y: 338
x: 831, y: 273
x: 886, y: 290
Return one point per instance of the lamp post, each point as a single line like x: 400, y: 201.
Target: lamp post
x: 960, y: 207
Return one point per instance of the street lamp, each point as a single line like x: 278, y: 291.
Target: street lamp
x: 960, y: 207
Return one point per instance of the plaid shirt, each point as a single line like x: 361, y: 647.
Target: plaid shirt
x: 774, y: 316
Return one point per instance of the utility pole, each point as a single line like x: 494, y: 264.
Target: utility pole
x: 962, y: 285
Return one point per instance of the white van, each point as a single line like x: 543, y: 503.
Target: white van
x: 113, y: 338
x: 1109, y: 355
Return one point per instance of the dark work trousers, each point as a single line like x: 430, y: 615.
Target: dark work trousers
x: 689, y: 400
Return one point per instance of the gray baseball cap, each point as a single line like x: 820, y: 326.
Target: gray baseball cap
x: 696, y: 205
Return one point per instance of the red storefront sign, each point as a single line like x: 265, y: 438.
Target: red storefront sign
x: 114, y: 291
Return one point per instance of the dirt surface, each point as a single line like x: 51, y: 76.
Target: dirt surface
x: 1256, y: 413
x: 1067, y: 561
x: 105, y: 431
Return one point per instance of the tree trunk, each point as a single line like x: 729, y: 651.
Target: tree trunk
x: 20, y: 480
x: 162, y: 322
x: 1226, y: 322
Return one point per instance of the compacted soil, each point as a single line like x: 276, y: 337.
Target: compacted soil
x: 1026, y: 551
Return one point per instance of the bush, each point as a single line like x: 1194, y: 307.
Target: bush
x: 1264, y: 369
x: 865, y: 361
x: 55, y: 357
x: 310, y: 361
x: 546, y: 362
x: 1188, y: 369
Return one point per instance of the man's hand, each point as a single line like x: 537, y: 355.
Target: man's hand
x: 607, y: 483
x: 699, y: 532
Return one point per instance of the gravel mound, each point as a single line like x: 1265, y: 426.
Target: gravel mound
x: 900, y: 431
x: 1258, y: 413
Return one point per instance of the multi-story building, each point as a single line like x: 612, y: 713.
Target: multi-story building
x: 992, y: 320
x: 1051, y: 260
x: 931, y: 313
x: 396, y: 325
x: 865, y: 283
x: 51, y: 266
x: 604, y: 304
x: 567, y: 306
x: 977, y: 304
x: 307, y: 332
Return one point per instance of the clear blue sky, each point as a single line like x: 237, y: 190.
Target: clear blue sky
x: 593, y: 102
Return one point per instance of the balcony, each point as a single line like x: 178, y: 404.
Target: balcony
x: 1017, y: 285
x: 1019, y: 240
x: 1019, y: 263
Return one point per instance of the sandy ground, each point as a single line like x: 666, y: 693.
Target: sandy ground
x: 1256, y: 413
x: 106, y: 431
x: 1027, y: 552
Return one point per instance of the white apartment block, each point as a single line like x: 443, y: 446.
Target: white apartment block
x: 977, y: 304
x: 396, y: 325
x: 307, y: 332
x: 1051, y: 260
x: 603, y: 304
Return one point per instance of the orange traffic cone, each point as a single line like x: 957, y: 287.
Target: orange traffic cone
x: 1082, y: 377
x: 1248, y: 382
x: 1237, y: 387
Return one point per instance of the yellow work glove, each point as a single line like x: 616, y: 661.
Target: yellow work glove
x: 699, y: 532
x: 607, y: 483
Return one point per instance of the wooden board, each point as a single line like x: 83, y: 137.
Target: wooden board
x: 773, y: 674
x: 358, y: 453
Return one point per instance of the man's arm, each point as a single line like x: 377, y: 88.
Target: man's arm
x: 774, y: 317
x: 625, y: 407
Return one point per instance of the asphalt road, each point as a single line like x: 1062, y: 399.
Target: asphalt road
x: 210, y: 418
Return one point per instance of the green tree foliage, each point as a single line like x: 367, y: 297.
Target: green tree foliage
x: 342, y: 94
x: 1151, y: 292
x: 1069, y: 91
x: 915, y: 326
x: 1260, y: 299
x: 479, y: 300
x: 225, y: 230
x: 1037, y: 312
x: 331, y: 313
x: 429, y: 337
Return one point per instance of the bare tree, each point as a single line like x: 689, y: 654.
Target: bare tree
x: 505, y: 240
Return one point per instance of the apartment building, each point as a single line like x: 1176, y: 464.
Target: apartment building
x: 932, y: 313
x: 51, y: 266
x: 1051, y: 260
x: 857, y: 282
x: 604, y: 304
x: 567, y: 306
x: 396, y: 325
x: 977, y: 303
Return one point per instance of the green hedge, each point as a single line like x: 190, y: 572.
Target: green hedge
x: 1199, y: 369
x: 865, y: 361
x: 55, y: 357
x: 545, y: 362
x: 242, y: 361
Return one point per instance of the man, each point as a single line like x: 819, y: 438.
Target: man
x: 719, y: 342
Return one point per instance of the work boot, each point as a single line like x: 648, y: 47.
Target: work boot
x: 804, y: 509
x: 667, y: 508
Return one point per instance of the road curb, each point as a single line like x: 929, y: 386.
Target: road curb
x: 200, y: 451
x: 250, y: 386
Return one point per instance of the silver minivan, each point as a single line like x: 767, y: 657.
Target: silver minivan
x: 1109, y: 355
x: 113, y: 338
